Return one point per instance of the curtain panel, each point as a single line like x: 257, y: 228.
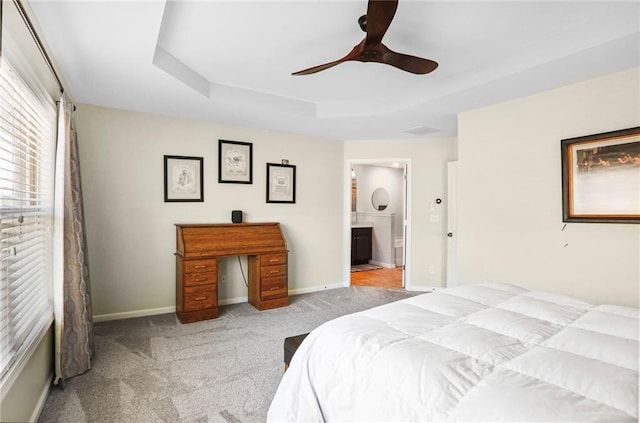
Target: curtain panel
x: 74, y: 345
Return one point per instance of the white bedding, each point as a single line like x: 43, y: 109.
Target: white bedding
x: 472, y: 353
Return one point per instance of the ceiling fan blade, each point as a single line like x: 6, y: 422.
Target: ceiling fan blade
x: 380, y: 13
x: 318, y: 68
x: 353, y: 55
x: 407, y: 63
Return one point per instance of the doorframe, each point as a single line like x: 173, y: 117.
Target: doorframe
x: 406, y: 273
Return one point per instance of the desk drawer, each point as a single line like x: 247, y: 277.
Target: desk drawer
x: 271, y: 259
x: 200, y: 297
x: 271, y: 271
x: 273, y: 288
x: 208, y: 265
x: 195, y: 279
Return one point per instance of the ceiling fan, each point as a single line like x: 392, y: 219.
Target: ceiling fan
x: 375, y: 23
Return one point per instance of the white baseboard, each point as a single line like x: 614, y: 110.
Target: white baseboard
x: 239, y: 300
x: 132, y: 314
x: 228, y: 301
x: 383, y: 264
x: 236, y: 300
x: 42, y: 400
x: 316, y: 288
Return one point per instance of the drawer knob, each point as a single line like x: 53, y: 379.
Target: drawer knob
x: 271, y: 272
x: 273, y: 288
x: 200, y: 266
x: 274, y: 260
x: 200, y: 298
x: 200, y: 279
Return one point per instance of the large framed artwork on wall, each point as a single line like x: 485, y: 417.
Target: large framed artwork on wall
x: 235, y: 162
x: 183, y: 179
x: 601, y: 177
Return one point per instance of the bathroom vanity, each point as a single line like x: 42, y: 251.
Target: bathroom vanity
x: 361, y: 241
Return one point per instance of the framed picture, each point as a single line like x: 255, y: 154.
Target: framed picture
x: 183, y: 179
x: 281, y: 183
x: 235, y: 162
x: 601, y: 177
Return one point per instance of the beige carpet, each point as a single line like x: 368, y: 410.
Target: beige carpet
x: 154, y: 369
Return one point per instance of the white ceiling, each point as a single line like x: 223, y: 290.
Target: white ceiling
x: 231, y: 61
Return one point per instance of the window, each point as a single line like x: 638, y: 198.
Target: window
x: 27, y: 143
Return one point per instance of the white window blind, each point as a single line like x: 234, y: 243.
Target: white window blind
x: 27, y: 144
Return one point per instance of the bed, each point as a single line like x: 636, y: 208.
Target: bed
x: 484, y: 352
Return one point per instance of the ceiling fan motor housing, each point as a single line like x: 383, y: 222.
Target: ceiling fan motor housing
x: 371, y: 56
x: 362, y: 21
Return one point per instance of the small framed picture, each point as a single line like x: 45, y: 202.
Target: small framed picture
x: 281, y: 183
x: 601, y: 177
x: 235, y: 162
x: 183, y: 179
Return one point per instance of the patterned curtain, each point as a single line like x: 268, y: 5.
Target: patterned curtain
x: 72, y: 294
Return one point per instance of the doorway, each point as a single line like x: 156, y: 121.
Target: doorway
x: 377, y: 198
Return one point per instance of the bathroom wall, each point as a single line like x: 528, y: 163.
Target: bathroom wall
x: 370, y: 177
x: 387, y: 223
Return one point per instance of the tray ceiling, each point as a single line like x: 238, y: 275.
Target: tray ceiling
x: 231, y: 61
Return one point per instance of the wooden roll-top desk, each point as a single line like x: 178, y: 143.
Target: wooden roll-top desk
x: 198, y: 248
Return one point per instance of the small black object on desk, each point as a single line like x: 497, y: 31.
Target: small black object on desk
x: 236, y: 216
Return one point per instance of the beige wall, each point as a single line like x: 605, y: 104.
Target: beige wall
x: 131, y: 237
x: 509, y: 214
x: 428, y: 175
x: 27, y: 395
x: 510, y: 195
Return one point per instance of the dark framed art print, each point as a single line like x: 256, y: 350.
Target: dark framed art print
x: 183, y: 179
x: 281, y: 183
x: 601, y: 177
x: 235, y: 162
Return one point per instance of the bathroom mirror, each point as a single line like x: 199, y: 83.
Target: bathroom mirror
x: 380, y: 199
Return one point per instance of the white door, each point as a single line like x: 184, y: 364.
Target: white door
x: 452, y: 180
x: 404, y: 224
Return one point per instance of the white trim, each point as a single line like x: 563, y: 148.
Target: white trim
x: 383, y: 264
x: 316, y: 288
x: 406, y: 275
x: 346, y: 239
x: 35, y: 416
x: 236, y: 300
x: 132, y: 314
x: 16, y: 369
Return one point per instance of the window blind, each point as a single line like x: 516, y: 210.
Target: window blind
x: 27, y: 144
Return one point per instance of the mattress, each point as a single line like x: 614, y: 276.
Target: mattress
x: 485, y: 352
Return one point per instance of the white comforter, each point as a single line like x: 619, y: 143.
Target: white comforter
x: 471, y: 353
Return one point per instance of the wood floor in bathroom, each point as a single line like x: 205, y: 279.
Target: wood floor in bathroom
x: 380, y: 278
